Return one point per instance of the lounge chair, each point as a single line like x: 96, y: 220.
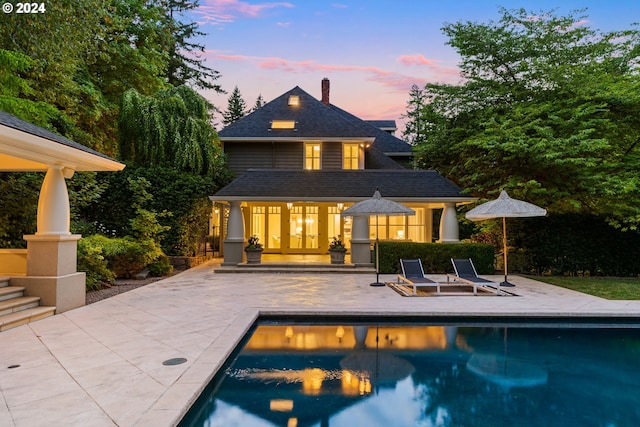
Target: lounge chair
x: 466, y: 272
x: 413, y: 274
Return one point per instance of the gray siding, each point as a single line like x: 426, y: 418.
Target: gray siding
x: 263, y: 155
x: 332, y: 155
x: 289, y: 155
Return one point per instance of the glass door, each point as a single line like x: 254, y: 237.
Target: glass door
x: 303, y: 228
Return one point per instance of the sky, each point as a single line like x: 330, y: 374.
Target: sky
x: 372, y: 51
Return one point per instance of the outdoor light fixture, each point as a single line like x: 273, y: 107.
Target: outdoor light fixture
x: 289, y: 205
x: 340, y: 206
x: 340, y: 333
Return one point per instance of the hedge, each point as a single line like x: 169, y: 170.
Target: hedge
x: 436, y: 257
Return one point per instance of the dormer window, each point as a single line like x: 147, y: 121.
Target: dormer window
x: 294, y: 100
x: 283, y: 124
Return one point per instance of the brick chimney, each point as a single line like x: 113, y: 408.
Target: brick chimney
x: 325, y: 91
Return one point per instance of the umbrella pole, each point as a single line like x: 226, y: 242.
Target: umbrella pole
x: 377, y: 282
x: 504, y: 243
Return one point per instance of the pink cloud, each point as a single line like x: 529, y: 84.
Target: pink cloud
x: 418, y: 59
x: 391, y: 79
x: 216, y: 12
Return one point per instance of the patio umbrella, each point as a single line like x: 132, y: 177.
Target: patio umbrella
x: 505, y: 207
x: 376, y: 206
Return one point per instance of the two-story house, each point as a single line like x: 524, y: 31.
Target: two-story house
x: 300, y: 161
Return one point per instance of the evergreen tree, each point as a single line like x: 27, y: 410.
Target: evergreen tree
x: 236, y: 108
x: 259, y: 103
x: 185, y: 65
x: 415, y: 129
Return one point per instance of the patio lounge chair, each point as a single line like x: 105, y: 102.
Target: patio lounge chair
x: 413, y: 274
x: 465, y: 272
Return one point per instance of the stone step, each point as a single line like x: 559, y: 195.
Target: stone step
x: 17, y: 304
x: 4, y: 281
x: 23, y: 317
x: 295, y: 268
x: 9, y: 292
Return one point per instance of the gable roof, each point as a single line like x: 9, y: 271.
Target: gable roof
x: 313, y: 119
x: 341, y: 185
x: 385, y: 142
x: 27, y: 147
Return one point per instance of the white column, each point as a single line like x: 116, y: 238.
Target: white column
x: 53, y: 204
x: 449, y: 231
x: 234, y: 242
x: 360, y: 242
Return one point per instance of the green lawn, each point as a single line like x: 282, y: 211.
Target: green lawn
x: 614, y: 288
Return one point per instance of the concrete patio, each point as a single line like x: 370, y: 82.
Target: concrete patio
x: 101, y: 365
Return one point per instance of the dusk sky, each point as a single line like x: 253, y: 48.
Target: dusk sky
x: 371, y: 50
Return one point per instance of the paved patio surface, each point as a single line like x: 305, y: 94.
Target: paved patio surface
x: 101, y: 365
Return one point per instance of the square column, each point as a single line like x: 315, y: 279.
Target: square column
x: 51, y: 271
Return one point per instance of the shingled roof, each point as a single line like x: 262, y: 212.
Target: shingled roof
x: 13, y: 122
x: 341, y: 185
x: 312, y: 119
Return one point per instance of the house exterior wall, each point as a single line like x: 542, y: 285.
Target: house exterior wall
x: 263, y: 155
x: 332, y: 155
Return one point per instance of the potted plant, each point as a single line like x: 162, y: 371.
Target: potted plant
x: 253, y: 250
x: 337, y: 250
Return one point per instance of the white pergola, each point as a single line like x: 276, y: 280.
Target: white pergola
x: 50, y: 271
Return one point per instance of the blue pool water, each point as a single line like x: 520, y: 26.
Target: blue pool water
x: 352, y: 375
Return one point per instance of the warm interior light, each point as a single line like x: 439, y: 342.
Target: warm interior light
x: 288, y: 332
x: 283, y: 124
x: 340, y: 206
x: 340, y: 333
x: 292, y: 422
x: 289, y: 205
x: 281, y: 405
x: 294, y: 100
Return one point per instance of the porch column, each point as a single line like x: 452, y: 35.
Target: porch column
x: 449, y: 232
x: 52, y: 251
x: 360, y: 242
x: 234, y: 241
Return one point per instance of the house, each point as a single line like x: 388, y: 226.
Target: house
x: 47, y: 268
x: 300, y: 161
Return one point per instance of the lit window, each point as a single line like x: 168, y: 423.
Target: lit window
x: 312, y: 155
x: 350, y: 156
x: 283, y: 124
x: 294, y: 100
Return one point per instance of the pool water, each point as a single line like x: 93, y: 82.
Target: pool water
x: 354, y: 375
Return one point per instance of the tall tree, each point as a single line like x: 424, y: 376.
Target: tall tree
x: 171, y: 128
x: 236, y: 108
x: 549, y: 109
x: 416, y: 127
x: 259, y: 103
x: 185, y: 64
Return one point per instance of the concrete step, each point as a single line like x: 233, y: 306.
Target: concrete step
x: 295, y: 268
x: 18, y: 304
x: 9, y: 292
x: 23, y: 317
x: 4, y: 281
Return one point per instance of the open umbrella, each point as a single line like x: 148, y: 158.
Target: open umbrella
x: 377, y: 206
x: 505, y: 207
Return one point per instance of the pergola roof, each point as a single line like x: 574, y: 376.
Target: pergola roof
x: 341, y: 185
x: 26, y: 147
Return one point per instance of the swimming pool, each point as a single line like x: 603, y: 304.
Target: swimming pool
x: 433, y: 374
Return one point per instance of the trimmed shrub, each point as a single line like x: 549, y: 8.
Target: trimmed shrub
x: 91, y: 260
x: 436, y: 257
x: 161, y: 267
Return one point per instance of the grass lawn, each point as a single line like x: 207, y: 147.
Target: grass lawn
x: 614, y: 288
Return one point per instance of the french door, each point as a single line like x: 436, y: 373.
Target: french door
x: 304, y: 228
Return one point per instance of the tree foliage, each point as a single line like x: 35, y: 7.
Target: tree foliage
x: 236, y: 108
x: 259, y: 103
x: 171, y: 128
x: 549, y: 109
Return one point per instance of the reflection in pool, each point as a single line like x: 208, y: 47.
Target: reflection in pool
x: 397, y: 375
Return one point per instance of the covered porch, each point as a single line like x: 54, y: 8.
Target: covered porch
x: 298, y: 213
x: 47, y: 268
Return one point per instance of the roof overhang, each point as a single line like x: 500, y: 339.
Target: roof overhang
x: 24, y: 152
x: 457, y: 200
x: 298, y: 139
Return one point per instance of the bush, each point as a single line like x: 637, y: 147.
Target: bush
x: 436, y: 257
x: 91, y: 260
x: 125, y: 257
x: 161, y: 267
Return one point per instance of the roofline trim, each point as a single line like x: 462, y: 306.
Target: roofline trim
x: 296, y: 139
x: 461, y: 200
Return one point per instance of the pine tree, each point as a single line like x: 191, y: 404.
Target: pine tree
x: 415, y: 129
x: 259, y: 103
x: 236, y: 108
